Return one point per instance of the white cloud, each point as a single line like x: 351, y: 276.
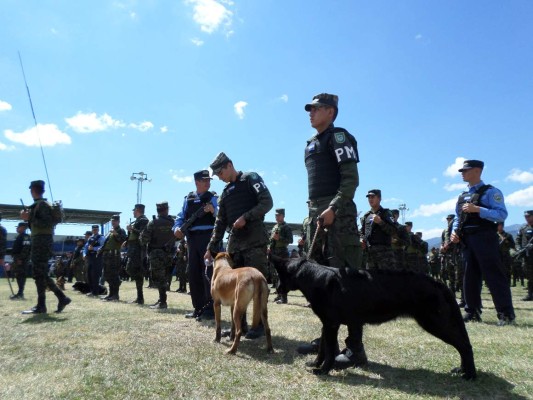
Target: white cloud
x: 431, y: 233
x: 434, y: 180
x: 182, y: 179
x: 517, y: 175
x: 5, y: 147
x: 453, y: 170
x: 163, y: 129
x: 454, y: 187
x: 521, y: 198
x: 5, y: 106
x: 284, y: 98
x: 49, y: 135
x: 427, y: 210
x: 418, y: 37
x: 211, y: 14
x: 88, y: 123
x: 197, y: 42
x: 142, y: 127
x: 239, y: 108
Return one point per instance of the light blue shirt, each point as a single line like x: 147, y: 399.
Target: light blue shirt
x: 180, y: 219
x: 491, y: 205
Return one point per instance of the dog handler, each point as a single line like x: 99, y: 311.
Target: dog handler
x: 331, y: 159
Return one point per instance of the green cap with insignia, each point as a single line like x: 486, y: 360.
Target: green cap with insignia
x: 219, y: 162
x: 374, y: 192
x: 323, y: 100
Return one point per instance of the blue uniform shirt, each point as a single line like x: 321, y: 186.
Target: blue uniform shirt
x: 180, y: 219
x: 491, y: 204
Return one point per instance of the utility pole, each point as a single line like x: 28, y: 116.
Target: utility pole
x: 403, y: 208
x: 140, y: 177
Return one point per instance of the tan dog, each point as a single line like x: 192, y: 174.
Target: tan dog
x: 236, y: 288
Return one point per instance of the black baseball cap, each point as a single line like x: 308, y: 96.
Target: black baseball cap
x: 469, y: 164
x: 374, y: 192
x: 203, y: 174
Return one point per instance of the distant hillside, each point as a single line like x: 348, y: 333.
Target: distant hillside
x: 512, y: 229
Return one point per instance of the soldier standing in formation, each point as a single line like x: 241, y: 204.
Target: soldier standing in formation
x: 94, y: 263
x: 196, y: 221
x: 422, y: 252
x: 21, y: 257
x: 242, y: 207
x: 524, y: 242
x: 478, y: 211
x: 506, y: 243
x: 77, y: 263
x: 136, y: 252
x: 400, y: 240
x: 40, y: 221
x: 159, y: 238
x: 110, y: 253
x: 181, y: 266
x: 377, y: 229
x: 280, y: 238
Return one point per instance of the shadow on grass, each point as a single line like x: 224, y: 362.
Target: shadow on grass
x: 44, y: 318
x: 423, y: 381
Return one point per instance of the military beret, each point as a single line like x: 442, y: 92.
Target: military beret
x: 219, y: 162
x: 203, y: 174
x: 22, y: 224
x: 39, y: 184
x: 139, y: 206
x: 409, y: 223
x: 280, y: 211
x: 95, y: 227
x: 115, y: 218
x: 162, y: 205
x: 469, y: 164
x: 450, y: 216
x: 323, y: 99
x: 374, y: 192
x: 528, y: 213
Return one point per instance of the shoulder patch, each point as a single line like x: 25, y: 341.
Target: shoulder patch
x: 497, y: 197
x: 340, y: 137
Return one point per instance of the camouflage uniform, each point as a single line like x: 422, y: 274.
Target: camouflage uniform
x: 248, y: 245
x: 522, y: 239
x: 434, y: 264
x: 378, y: 239
x: 279, y: 248
x: 110, y: 252
x: 449, y: 254
x: 21, y: 257
x: 159, y: 238
x: 400, y: 240
x: 411, y: 253
x: 181, y: 267
x: 506, y: 243
x: 136, y: 255
x: 42, y: 229
x: 78, y: 264
x: 422, y: 251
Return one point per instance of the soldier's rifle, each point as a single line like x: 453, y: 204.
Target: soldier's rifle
x: 520, y: 253
x: 197, y: 214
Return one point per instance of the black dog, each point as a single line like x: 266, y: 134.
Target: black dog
x: 84, y: 287
x: 355, y: 298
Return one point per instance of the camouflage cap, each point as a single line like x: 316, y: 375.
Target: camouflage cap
x: 138, y: 206
x: 203, y: 174
x: 450, y: 216
x: 528, y: 213
x: 409, y: 223
x: 374, y: 192
x: 161, y: 206
x: 115, y: 217
x: 280, y: 211
x: 219, y: 162
x: 418, y: 234
x: 395, y: 211
x: 469, y: 164
x: 39, y: 184
x: 323, y: 99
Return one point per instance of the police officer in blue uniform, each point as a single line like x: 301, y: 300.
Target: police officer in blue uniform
x: 478, y: 210
x: 198, y: 213
x: 95, y: 263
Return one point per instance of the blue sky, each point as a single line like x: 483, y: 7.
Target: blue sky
x: 162, y: 86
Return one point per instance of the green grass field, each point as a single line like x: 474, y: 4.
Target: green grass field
x: 99, y: 350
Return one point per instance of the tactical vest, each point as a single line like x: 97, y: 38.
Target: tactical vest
x: 162, y: 234
x: 373, y: 233
x: 194, y: 203
x: 238, y: 197
x: 18, y: 244
x: 139, y: 224
x: 114, y: 243
x: 40, y: 225
x: 527, y: 234
x: 473, y: 220
x: 323, y: 176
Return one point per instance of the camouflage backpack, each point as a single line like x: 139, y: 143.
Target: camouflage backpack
x: 58, y: 215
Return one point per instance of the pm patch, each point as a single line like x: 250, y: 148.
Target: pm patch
x: 340, y: 137
x: 497, y: 198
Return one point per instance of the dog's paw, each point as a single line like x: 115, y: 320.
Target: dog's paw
x: 467, y: 376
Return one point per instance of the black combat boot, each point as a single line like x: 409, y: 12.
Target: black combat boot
x: 140, y: 298
x: 162, y: 302
x: 40, y: 308
x: 529, y: 296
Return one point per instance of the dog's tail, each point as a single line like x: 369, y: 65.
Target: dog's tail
x: 260, y: 303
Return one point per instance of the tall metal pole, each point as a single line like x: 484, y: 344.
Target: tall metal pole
x: 403, y: 208
x: 140, y: 177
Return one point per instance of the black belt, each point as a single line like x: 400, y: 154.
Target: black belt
x: 200, y: 231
